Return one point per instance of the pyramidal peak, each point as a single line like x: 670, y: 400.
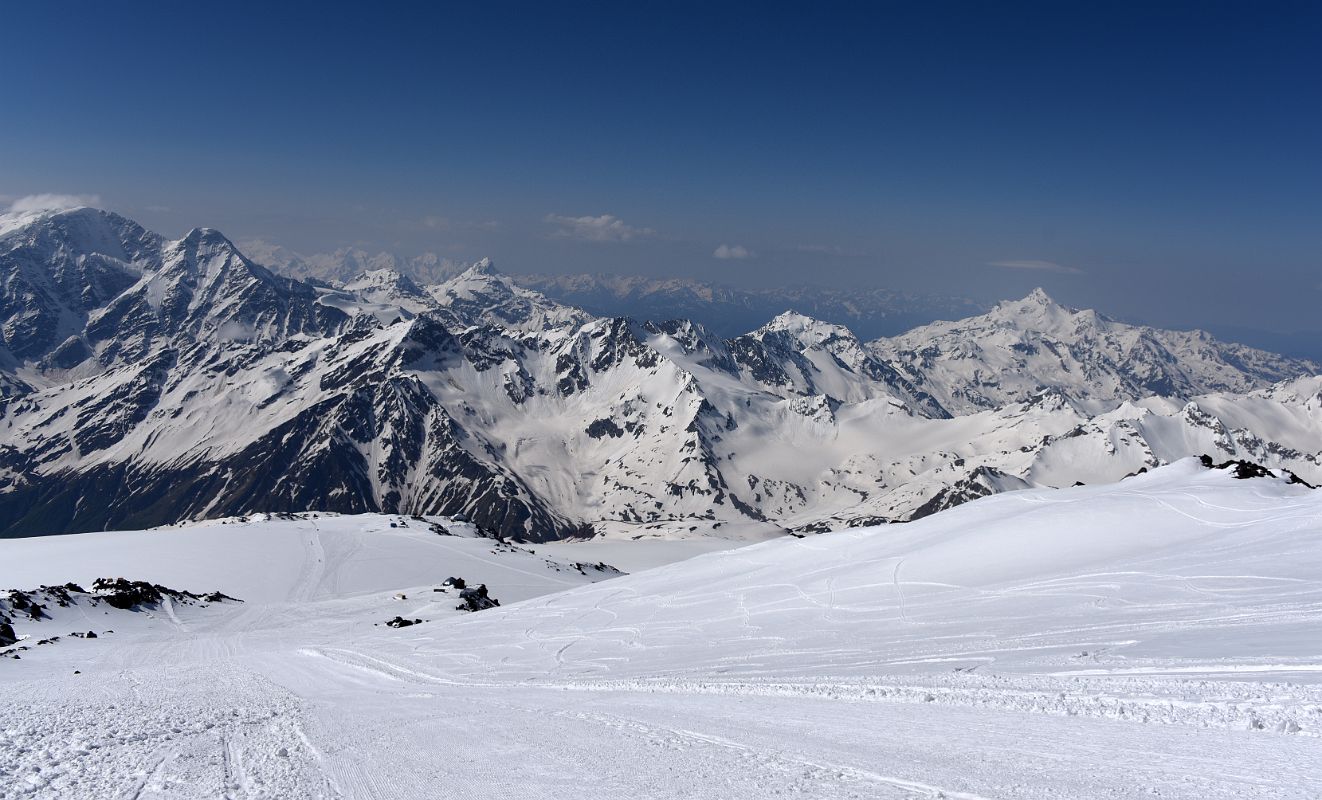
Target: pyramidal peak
x: 789, y: 319
x: 1038, y: 298
x: 1036, y: 310
x: 483, y: 266
x: 208, y: 235
x: 797, y: 323
x: 807, y: 331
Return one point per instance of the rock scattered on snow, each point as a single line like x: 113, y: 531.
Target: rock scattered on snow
x: 35, y: 605
x: 1244, y: 470
x: 128, y: 595
x: 475, y: 598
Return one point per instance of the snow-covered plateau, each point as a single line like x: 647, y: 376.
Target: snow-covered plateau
x: 1156, y: 637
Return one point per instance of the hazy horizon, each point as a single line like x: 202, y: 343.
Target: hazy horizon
x: 1159, y: 164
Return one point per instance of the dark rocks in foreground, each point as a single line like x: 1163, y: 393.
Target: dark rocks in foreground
x: 35, y: 605
x: 129, y: 595
x: 475, y: 598
x: 1244, y: 470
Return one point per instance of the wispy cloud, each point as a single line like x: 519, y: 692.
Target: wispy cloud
x: 733, y: 251
x: 52, y: 202
x: 605, y: 228
x: 1037, y: 266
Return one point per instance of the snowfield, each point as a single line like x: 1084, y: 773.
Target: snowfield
x: 1159, y: 637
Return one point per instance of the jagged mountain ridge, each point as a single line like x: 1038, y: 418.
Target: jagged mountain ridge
x: 210, y: 386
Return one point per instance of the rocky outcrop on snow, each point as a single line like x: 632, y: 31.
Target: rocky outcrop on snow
x: 476, y: 598
x: 69, y: 604
x: 128, y: 595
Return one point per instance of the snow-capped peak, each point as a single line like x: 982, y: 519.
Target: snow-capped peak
x: 1038, y: 311
x: 1039, y: 296
x: 483, y: 266
x: 383, y: 278
x: 1009, y: 353
x: 480, y: 295
x: 17, y: 220
x: 796, y: 323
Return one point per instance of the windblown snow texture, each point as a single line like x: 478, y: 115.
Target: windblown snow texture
x: 1156, y: 637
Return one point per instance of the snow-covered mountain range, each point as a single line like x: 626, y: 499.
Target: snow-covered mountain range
x: 347, y: 263
x: 146, y: 381
x: 730, y: 311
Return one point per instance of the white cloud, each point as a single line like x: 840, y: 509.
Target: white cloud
x: 605, y: 228
x: 235, y: 331
x: 1038, y: 266
x: 733, y: 251
x: 52, y: 202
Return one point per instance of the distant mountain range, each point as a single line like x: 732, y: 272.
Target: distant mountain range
x: 724, y: 310
x: 347, y: 263
x: 727, y: 311
x: 147, y: 380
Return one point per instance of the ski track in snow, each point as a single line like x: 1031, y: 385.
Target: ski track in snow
x: 1162, y: 639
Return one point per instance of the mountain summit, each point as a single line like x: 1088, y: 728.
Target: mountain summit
x: 1022, y: 347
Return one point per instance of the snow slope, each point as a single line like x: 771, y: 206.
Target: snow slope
x: 287, y: 558
x: 1156, y: 637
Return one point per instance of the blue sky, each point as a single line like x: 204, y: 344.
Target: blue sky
x: 1160, y: 161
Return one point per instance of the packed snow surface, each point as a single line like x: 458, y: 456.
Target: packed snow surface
x: 1157, y: 637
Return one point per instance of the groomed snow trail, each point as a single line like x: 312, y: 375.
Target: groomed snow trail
x: 1161, y: 637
